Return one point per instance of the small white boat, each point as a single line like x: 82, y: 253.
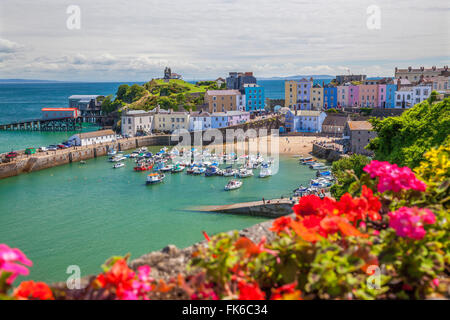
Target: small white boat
x: 166, y: 168
x: 154, y: 178
x: 318, y: 166
x: 112, y: 152
x: 233, y: 185
x: 119, y: 165
x: 265, y: 172
x: 245, y: 173
x: 229, y: 172
x: 117, y: 158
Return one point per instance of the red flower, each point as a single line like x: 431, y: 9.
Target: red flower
x: 286, y: 292
x: 30, y: 290
x: 250, y: 291
x: 373, y: 204
x: 308, y: 205
x: 119, y: 279
x: 281, y: 225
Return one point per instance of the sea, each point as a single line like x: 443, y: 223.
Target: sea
x: 80, y: 215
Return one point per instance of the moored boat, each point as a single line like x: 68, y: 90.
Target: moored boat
x: 265, y: 172
x: 233, y: 185
x: 154, y: 178
x: 143, y: 167
x: 245, y: 173
x: 119, y: 165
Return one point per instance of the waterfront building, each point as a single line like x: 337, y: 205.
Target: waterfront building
x: 304, y: 121
x: 440, y: 84
x: 90, y: 106
x: 353, y: 95
x: 342, y: 95
x: 317, y: 97
x: 381, y: 103
x: 136, y: 122
x: 199, y: 121
x: 90, y: 138
x: 421, y: 92
x: 219, y: 120
x: 169, y: 121
x: 368, y: 94
x: 254, y: 98
x: 290, y: 94
x: 60, y: 113
x: 415, y: 75
x: 237, y: 117
x: 403, y: 98
x: 357, y: 135
x: 334, y: 125
x: 340, y: 79
x: 304, y: 94
x: 224, y: 100
x: 329, y: 96
x: 391, y: 88
x: 237, y: 80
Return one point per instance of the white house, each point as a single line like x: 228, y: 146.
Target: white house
x: 199, y: 121
x: 404, y: 98
x: 421, y: 92
x: 95, y: 137
x: 135, y: 122
x: 305, y: 121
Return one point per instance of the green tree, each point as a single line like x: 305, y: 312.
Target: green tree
x: 122, y: 92
x: 108, y: 105
x: 345, y: 171
x: 404, y: 140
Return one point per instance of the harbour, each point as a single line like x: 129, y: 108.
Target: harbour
x: 82, y: 214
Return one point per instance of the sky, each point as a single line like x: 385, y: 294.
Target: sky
x: 133, y: 40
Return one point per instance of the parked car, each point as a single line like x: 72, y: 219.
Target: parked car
x: 61, y: 146
x: 30, y: 151
x: 43, y: 149
x: 52, y: 148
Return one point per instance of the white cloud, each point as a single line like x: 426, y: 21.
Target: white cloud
x: 134, y: 40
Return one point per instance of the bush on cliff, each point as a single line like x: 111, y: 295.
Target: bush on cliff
x: 405, y: 139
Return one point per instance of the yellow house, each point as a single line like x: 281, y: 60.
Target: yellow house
x: 170, y: 121
x: 317, y: 97
x: 290, y: 93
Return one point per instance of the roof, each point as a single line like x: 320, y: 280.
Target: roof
x: 220, y: 79
x: 219, y: 114
x: 359, y: 125
x: 59, y: 109
x: 200, y: 114
x: 223, y: 92
x: 95, y: 134
x: 335, y: 121
x: 308, y: 113
x: 237, y: 113
x: 86, y: 96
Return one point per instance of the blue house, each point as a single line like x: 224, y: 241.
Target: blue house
x: 254, y: 97
x: 304, y: 93
x: 219, y: 120
x: 390, y: 95
x: 329, y: 96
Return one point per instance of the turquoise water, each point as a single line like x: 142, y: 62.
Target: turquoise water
x: 83, y: 214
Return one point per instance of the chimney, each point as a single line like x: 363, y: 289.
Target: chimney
x: 422, y: 68
x: 409, y: 69
x: 399, y: 83
x: 396, y: 69
x: 434, y: 68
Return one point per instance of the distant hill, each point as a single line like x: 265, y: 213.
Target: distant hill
x: 26, y: 81
x: 298, y: 77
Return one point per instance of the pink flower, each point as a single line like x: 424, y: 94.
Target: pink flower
x: 392, y: 177
x: 8, y: 262
x: 435, y: 282
x: 409, y: 222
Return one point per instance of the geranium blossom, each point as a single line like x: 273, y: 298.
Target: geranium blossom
x: 250, y: 291
x: 9, y: 262
x: 30, y: 290
x: 409, y: 222
x: 281, y: 225
x: 119, y: 279
x: 393, y: 177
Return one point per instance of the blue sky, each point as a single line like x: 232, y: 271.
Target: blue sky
x: 134, y: 40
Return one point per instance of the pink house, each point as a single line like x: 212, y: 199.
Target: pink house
x: 368, y: 95
x: 237, y: 117
x: 353, y: 95
x: 342, y: 95
x: 381, y: 96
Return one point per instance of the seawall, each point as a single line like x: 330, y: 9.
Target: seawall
x: 45, y: 160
